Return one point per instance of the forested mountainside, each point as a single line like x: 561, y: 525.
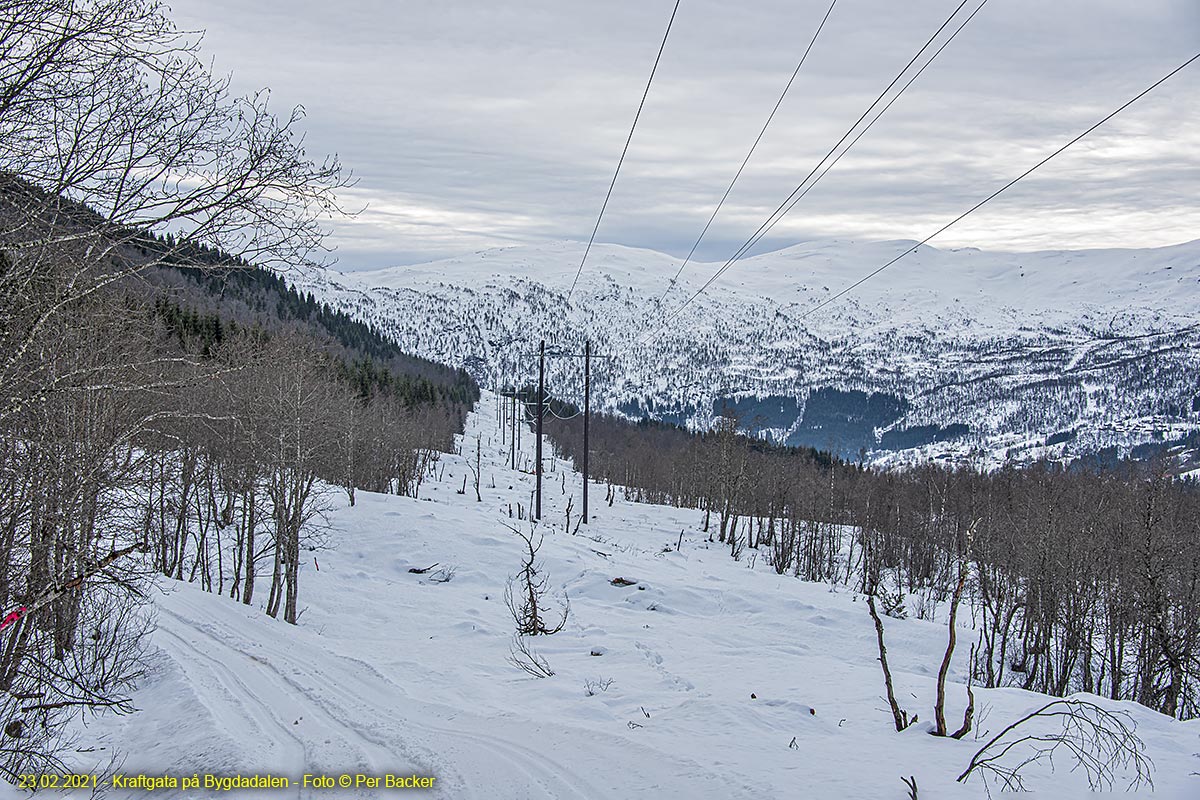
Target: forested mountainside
x: 166, y: 409
x: 959, y: 356
x: 203, y: 304
x: 202, y: 295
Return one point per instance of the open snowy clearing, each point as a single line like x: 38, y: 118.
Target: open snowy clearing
x: 392, y: 672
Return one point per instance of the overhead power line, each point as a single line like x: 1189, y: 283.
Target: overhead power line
x: 624, y: 150
x: 790, y: 201
x: 753, y: 147
x: 1003, y: 188
x: 578, y: 413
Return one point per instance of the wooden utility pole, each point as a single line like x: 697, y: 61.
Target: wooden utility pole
x: 537, y: 514
x: 587, y: 414
x: 512, y: 438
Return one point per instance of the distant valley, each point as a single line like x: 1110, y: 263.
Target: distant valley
x: 959, y: 356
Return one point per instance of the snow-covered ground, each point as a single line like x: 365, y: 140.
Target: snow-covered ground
x: 727, y: 680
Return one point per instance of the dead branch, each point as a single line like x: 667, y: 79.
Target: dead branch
x: 1099, y: 741
x: 521, y: 656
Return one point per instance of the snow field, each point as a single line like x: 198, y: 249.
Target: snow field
x: 392, y: 672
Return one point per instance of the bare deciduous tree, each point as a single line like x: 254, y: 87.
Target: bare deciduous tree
x: 899, y: 716
x: 113, y: 130
x: 527, y: 593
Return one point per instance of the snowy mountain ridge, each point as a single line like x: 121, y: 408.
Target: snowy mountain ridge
x: 979, y: 356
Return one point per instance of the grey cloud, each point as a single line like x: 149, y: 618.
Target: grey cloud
x: 473, y: 123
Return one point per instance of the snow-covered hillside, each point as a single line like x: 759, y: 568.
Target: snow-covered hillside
x: 709, y: 677
x: 980, y: 356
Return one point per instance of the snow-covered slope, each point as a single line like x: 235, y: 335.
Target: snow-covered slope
x: 727, y: 680
x: 991, y: 289
x: 982, y: 356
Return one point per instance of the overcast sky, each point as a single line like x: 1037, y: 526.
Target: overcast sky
x: 478, y: 123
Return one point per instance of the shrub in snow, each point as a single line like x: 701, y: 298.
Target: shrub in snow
x: 527, y: 594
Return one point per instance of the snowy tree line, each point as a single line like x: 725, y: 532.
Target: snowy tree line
x: 1079, y: 580
x: 234, y: 478
x: 141, y: 435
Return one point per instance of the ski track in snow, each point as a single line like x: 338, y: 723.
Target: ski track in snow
x: 337, y: 707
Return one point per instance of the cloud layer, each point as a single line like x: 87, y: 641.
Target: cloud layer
x: 471, y: 124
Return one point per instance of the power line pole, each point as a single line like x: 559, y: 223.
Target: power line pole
x: 586, y: 355
x: 587, y: 414
x: 512, y: 436
x: 540, y: 413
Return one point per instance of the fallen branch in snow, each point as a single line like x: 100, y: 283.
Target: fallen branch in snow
x: 70, y: 703
x: 1099, y: 741
x: 522, y: 657
x: 417, y: 571
x: 443, y: 575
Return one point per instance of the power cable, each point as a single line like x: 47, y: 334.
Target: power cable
x: 1002, y: 189
x: 625, y: 150
x: 746, y: 160
x: 559, y: 416
x: 792, y: 198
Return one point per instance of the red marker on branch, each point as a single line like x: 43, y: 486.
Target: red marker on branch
x: 54, y: 592
x: 13, y: 617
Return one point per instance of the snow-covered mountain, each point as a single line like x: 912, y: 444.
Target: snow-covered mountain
x: 958, y: 355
